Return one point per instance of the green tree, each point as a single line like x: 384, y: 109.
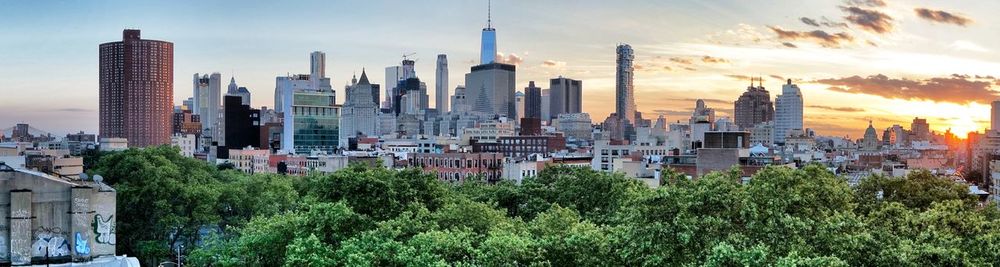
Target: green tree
x: 309, y: 251
x: 165, y: 197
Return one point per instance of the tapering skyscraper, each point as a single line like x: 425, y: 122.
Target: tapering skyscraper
x: 488, y: 50
x: 624, y: 92
x: 621, y: 124
x: 788, y: 111
x: 441, y: 84
x: 490, y: 85
x: 136, y: 88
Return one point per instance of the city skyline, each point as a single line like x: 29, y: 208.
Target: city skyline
x: 848, y: 74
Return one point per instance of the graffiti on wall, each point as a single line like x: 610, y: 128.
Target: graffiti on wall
x: 81, y: 246
x: 104, y: 229
x: 50, y: 242
x: 20, y: 236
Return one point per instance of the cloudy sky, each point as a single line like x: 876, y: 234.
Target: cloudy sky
x: 858, y: 60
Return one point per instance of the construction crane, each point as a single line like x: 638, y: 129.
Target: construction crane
x: 408, y: 55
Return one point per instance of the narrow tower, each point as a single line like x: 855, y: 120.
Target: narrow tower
x: 441, y: 84
x: 489, y: 45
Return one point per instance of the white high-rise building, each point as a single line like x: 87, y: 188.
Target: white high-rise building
x: 519, y: 105
x: 317, y: 67
x: 995, y: 116
x: 441, y: 85
x: 458, y: 101
x: 208, y: 101
x: 788, y: 111
x: 546, y: 104
x: 360, y: 112
x: 393, y: 74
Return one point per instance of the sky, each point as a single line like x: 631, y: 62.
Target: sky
x: 885, y: 61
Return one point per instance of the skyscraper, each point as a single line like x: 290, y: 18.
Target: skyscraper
x: 519, y: 105
x: 624, y: 92
x: 754, y: 106
x: 621, y: 124
x: 441, y: 85
x: 488, y: 50
x: 565, y: 96
x: 546, y: 102
x: 393, y: 74
x: 490, y: 89
x: 239, y: 91
x: 241, y: 123
x: 317, y: 67
x: 921, y: 130
x: 788, y: 111
x: 136, y: 88
x: 995, y: 116
x: 310, y: 111
x: 532, y: 101
x: 360, y: 111
x: 490, y: 85
x: 208, y: 102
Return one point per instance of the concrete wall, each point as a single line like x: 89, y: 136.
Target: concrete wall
x: 54, y: 220
x: 716, y: 159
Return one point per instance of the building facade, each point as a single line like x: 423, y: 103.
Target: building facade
x: 575, y: 125
x: 242, y: 124
x: 456, y: 167
x: 624, y: 90
x: 208, y: 102
x: 490, y: 89
x: 788, y: 111
x: 136, y: 81
x: 532, y: 101
x: 441, y: 84
x: 754, y: 106
x: 359, y: 115
x: 565, y: 96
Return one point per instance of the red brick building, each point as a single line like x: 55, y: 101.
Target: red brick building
x: 136, y: 79
x: 456, y: 167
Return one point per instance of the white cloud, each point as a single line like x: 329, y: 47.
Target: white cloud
x: 963, y: 45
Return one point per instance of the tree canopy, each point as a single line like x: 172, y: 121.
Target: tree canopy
x: 566, y: 216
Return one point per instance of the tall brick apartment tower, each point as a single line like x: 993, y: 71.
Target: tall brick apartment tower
x: 137, y: 90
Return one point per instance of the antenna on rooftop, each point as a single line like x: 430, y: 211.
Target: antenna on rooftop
x: 489, y: 14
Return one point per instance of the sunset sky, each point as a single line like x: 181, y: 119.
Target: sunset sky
x: 858, y: 60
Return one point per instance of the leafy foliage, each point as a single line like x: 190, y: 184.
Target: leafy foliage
x: 566, y: 216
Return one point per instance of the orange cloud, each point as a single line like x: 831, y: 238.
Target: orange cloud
x: 955, y: 89
x: 820, y: 37
x: 868, y: 19
x: 940, y: 16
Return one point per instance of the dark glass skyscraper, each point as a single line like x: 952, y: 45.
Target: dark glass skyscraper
x: 136, y: 83
x: 532, y: 101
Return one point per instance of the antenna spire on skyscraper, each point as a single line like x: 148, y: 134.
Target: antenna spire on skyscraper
x: 489, y: 13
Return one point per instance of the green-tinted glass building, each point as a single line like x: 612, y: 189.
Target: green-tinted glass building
x: 315, y: 123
